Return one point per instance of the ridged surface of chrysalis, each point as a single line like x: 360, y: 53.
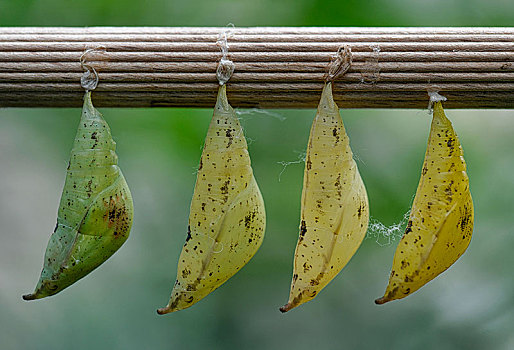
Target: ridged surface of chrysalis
x: 334, y: 209
x: 227, y: 218
x: 441, y: 220
x: 96, y: 210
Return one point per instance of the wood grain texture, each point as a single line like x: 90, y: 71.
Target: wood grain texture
x: 276, y: 67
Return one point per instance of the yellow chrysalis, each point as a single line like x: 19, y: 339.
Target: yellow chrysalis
x: 441, y: 220
x: 334, y: 211
x: 227, y: 218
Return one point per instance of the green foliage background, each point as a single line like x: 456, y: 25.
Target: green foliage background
x: 470, y: 306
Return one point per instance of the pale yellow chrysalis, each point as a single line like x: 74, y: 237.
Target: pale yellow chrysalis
x: 441, y: 220
x: 227, y: 218
x: 334, y: 209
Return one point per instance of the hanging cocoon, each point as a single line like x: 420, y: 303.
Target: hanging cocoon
x: 227, y: 218
x: 441, y: 220
x: 334, y: 208
x: 96, y: 210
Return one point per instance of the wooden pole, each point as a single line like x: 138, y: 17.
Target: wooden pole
x: 279, y: 67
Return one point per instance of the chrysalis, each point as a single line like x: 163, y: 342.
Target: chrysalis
x: 227, y: 218
x: 334, y: 210
x: 441, y: 220
x: 96, y: 210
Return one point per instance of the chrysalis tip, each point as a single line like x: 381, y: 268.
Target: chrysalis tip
x: 164, y: 310
x: 381, y: 301
x: 287, y: 307
x: 29, y: 297
x: 284, y: 309
x: 221, y: 101
x: 88, y: 104
x: 327, y: 102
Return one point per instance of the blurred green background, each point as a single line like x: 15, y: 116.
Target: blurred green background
x: 469, y: 307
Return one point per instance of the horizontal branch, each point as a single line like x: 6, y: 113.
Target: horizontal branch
x: 247, y: 77
x: 274, y: 67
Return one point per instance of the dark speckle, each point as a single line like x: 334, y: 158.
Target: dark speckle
x: 465, y: 219
x: 303, y: 229
x: 335, y: 134
x: 409, y: 227
x: 228, y: 134
x: 359, y: 211
x: 188, y: 234
x: 224, y: 188
x: 249, y: 219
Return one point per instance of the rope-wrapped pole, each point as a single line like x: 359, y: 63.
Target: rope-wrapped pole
x: 280, y: 67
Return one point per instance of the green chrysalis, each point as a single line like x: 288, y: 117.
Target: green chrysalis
x: 96, y: 209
